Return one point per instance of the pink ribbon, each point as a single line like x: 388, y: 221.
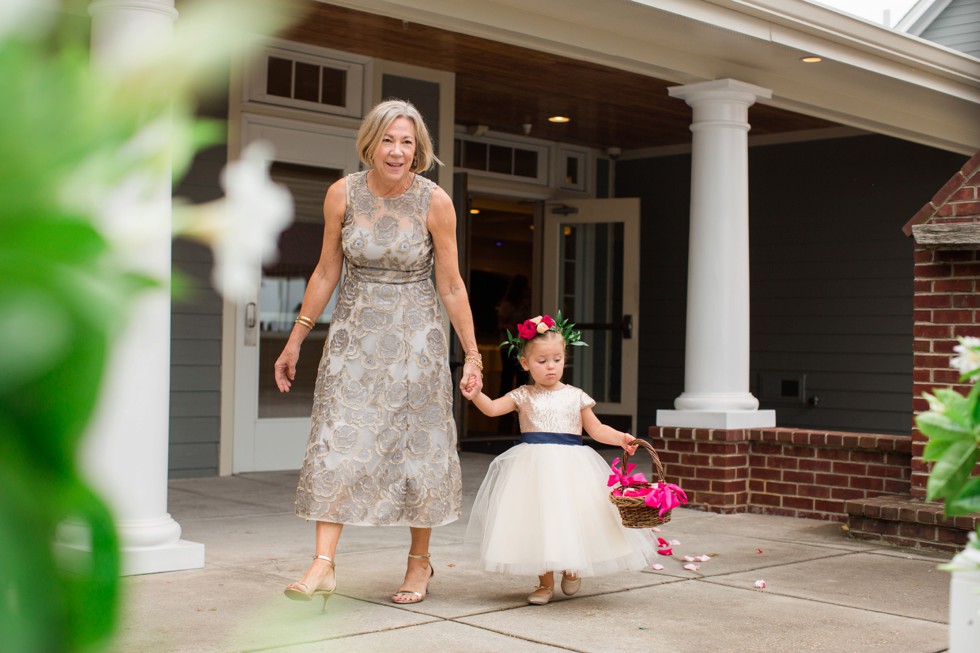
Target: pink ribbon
x: 625, y: 478
x: 665, y: 497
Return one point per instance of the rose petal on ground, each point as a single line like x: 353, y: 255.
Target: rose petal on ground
x: 692, y: 567
x: 758, y: 550
x: 674, y: 542
x: 688, y: 559
x: 656, y: 529
x: 760, y: 584
x: 657, y: 567
x: 703, y: 558
x: 666, y: 552
x: 662, y: 542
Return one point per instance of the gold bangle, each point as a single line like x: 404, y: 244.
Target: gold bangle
x: 476, y: 360
x: 305, y: 321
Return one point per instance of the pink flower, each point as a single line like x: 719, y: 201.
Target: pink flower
x: 527, y: 329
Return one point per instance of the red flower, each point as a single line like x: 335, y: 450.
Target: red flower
x: 548, y: 322
x: 527, y: 329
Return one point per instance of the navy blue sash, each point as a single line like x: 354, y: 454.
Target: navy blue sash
x: 538, y: 437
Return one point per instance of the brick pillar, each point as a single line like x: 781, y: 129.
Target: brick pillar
x: 946, y: 306
x: 711, y: 465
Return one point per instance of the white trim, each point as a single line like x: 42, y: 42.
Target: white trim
x: 786, y: 138
x: 921, y: 16
x: 356, y: 66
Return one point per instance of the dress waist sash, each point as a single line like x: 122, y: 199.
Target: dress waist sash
x: 539, y: 437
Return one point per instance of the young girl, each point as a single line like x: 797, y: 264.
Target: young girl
x: 543, y: 506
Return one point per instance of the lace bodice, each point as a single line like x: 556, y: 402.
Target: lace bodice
x: 551, y: 411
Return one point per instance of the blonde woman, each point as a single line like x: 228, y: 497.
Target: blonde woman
x: 382, y: 447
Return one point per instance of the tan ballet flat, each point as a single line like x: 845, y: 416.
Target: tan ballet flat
x: 570, y: 583
x: 541, y: 595
x: 300, y: 592
x: 405, y: 597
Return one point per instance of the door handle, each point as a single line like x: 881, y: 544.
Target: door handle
x: 627, y: 327
x: 250, y: 315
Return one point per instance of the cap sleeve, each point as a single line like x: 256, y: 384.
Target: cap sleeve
x: 519, y: 395
x: 585, y: 400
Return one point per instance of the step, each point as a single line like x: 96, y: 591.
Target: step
x: 900, y: 520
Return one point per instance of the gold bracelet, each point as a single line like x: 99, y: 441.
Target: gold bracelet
x: 305, y: 321
x: 476, y: 360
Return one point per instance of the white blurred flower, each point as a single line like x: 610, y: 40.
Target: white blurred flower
x: 968, y: 359
x: 25, y: 17
x: 242, y: 228
x: 126, y: 191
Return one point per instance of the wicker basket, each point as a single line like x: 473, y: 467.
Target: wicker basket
x: 632, y: 510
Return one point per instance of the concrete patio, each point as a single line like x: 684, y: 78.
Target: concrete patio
x: 824, y: 592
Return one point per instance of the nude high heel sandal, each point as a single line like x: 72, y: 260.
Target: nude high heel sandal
x: 404, y: 597
x: 300, y: 592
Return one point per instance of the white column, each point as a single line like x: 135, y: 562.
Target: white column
x: 716, y: 360
x: 126, y: 451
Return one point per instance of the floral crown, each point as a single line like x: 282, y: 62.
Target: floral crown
x: 528, y: 329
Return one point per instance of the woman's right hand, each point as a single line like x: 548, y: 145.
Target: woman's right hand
x: 286, y: 368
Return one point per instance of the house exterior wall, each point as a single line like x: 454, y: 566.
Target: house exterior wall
x: 831, y: 286
x: 957, y: 27
x: 195, y: 322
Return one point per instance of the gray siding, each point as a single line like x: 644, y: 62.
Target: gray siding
x: 195, y: 323
x: 957, y: 27
x: 831, y: 287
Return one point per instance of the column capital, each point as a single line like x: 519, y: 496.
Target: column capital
x: 165, y: 7
x: 720, y: 89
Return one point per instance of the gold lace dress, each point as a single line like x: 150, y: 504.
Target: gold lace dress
x: 382, y: 445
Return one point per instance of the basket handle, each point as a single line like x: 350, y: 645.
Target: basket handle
x: 658, y: 466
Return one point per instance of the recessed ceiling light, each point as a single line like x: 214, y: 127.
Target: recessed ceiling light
x: 559, y: 119
x: 811, y: 59
x: 474, y: 211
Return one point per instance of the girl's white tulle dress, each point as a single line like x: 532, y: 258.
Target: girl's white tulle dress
x: 545, y: 507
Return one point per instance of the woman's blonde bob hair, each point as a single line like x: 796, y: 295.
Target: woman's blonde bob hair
x: 376, y: 124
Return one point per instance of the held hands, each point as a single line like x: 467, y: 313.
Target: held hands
x: 471, y: 382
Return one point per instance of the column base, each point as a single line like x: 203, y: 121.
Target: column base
x: 145, y: 547
x: 711, y: 419
x: 178, y: 556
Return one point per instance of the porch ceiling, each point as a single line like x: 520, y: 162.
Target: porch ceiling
x: 505, y: 86
x: 517, y: 61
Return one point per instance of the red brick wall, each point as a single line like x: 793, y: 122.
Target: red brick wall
x: 782, y: 471
x: 946, y: 305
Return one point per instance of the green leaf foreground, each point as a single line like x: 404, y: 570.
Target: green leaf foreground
x: 952, y: 429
